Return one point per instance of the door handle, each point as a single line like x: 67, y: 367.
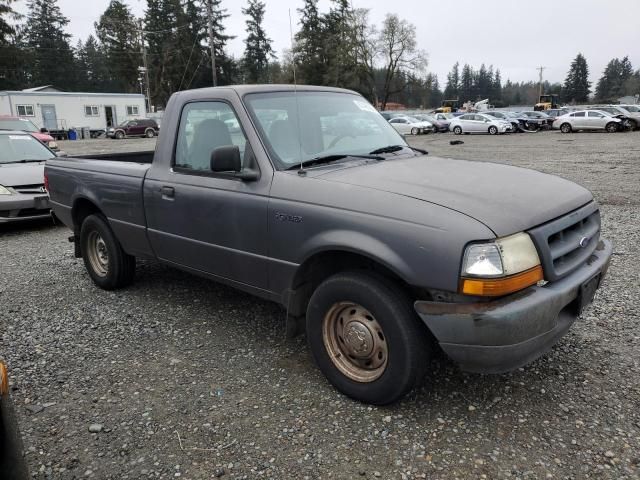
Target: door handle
x: 168, y: 193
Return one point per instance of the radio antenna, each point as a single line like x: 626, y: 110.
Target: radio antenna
x: 295, y: 96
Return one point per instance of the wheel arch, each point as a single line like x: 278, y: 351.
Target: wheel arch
x: 81, y: 209
x: 320, y: 265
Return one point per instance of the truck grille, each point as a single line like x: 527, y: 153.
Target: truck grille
x: 36, y: 188
x: 566, y: 243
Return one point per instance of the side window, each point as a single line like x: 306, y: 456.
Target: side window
x: 205, y: 126
x: 596, y: 114
x: 578, y: 114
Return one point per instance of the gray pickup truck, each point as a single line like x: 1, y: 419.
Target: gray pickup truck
x: 382, y: 253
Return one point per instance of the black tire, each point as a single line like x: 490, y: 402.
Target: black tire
x: 119, y: 135
x: 414, y: 131
x: 611, y: 127
x: 409, y: 346
x: 119, y: 268
x: 149, y: 133
x: 633, y: 124
x: 457, y: 130
x: 565, y: 128
x: 493, y: 130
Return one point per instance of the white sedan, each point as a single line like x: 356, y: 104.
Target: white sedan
x: 587, y: 120
x: 406, y: 125
x: 479, y: 123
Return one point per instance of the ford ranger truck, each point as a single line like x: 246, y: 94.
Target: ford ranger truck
x: 381, y: 253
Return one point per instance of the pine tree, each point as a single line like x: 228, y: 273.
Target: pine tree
x: 309, y: 45
x: 258, y: 51
x: 120, y: 39
x: 92, y: 61
x: 51, y: 59
x: 577, y: 86
x: 12, y: 60
x: 466, y: 84
x: 7, y: 30
x: 452, y: 90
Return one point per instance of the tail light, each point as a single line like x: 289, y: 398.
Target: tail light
x: 46, y: 182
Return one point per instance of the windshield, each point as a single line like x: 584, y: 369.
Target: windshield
x: 329, y: 123
x: 14, y: 148
x: 632, y: 108
x: 17, y: 124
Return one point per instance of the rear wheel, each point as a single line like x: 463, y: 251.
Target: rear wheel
x: 108, y: 265
x: 565, y: 128
x: 457, y: 130
x: 493, y: 130
x: 366, y: 338
x: 611, y: 127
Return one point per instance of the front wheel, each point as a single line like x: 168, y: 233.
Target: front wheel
x: 414, y: 131
x: 493, y: 130
x: 150, y: 133
x: 457, y: 130
x: 119, y: 135
x: 565, y: 128
x: 366, y: 338
x: 108, y: 265
x: 611, y: 127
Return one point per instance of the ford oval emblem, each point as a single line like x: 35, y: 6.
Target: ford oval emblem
x: 584, y: 241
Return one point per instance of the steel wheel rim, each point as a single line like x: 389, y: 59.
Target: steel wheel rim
x: 355, y: 342
x: 97, y: 254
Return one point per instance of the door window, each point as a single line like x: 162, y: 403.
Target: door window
x: 596, y: 114
x: 205, y: 126
x: 578, y: 114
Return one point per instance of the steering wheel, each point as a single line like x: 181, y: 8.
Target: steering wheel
x: 337, y: 139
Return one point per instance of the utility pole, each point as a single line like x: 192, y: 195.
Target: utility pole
x: 211, y: 45
x: 145, y: 66
x: 540, y: 69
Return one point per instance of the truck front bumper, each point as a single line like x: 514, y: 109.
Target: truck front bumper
x: 504, y: 334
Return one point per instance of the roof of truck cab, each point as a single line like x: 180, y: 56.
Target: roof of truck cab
x: 266, y: 88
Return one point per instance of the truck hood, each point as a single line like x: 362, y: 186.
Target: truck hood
x: 506, y: 199
x: 15, y: 174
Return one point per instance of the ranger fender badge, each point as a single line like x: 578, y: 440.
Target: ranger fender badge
x: 285, y: 217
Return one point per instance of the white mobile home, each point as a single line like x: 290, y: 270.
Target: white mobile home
x: 53, y: 109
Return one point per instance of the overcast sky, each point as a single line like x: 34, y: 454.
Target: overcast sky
x: 514, y: 35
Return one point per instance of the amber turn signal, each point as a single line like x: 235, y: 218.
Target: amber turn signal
x: 4, y: 380
x: 495, y: 287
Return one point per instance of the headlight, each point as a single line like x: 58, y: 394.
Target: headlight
x: 500, y: 267
x: 110, y: 129
x: 5, y: 191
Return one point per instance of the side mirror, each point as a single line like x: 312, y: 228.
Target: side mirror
x: 44, y: 130
x: 226, y: 159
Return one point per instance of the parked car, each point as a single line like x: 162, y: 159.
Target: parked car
x: 506, y: 116
x: 25, y: 125
x: 587, y: 120
x: 411, y: 125
x: 537, y: 119
x: 12, y: 462
x: 392, y: 114
x: 144, y: 127
x: 556, y: 112
x: 633, y: 113
x: 627, y: 123
x: 373, y: 247
x: 479, y: 123
x: 438, y: 125
x: 23, y: 195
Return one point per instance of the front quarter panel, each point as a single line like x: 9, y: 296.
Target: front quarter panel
x: 420, y: 241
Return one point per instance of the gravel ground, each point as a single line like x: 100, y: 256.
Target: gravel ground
x: 180, y: 377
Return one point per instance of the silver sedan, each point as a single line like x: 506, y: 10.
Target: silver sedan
x: 587, y: 120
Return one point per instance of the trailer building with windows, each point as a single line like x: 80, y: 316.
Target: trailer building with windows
x: 58, y: 111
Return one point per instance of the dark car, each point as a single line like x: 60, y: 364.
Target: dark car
x: 12, y: 463
x: 537, y: 120
x: 142, y: 127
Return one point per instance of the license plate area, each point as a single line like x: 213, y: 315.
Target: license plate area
x: 588, y: 291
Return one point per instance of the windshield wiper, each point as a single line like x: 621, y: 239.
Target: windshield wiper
x: 396, y: 148
x: 328, y: 159
x: 24, y: 160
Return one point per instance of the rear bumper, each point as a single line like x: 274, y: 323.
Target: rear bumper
x: 20, y: 207
x: 504, y: 334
